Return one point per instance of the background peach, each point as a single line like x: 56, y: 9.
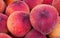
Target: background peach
x: 33, y: 3
x: 56, y: 4
x: 2, y: 6
x: 34, y: 34
x: 3, y: 35
x: 17, y: 6
x: 3, y: 23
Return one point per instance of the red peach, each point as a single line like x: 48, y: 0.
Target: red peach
x: 17, y: 6
x: 34, y: 34
x: 33, y: 3
x: 3, y: 23
x: 3, y: 35
x: 56, y: 4
x: 43, y: 18
x: 2, y: 6
x: 18, y: 23
x: 47, y: 1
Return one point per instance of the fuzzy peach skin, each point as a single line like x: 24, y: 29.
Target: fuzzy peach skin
x: 55, y: 33
x: 3, y: 35
x: 19, y: 24
x: 34, y: 34
x: 33, y: 3
x: 2, y: 6
x: 43, y: 18
x: 3, y: 23
x: 17, y: 6
x: 56, y: 4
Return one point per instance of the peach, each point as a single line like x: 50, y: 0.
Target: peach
x: 17, y: 6
x: 43, y: 18
x: 2, y: 6
x: 18, y: 23
x: 3, y: 35
x: 55, y: 33
x: 33, y: 3
x: 47, y: 1
x: 3, y: 23
x: 10, y: 1
x: 56, y: 4
x: 34, y: 34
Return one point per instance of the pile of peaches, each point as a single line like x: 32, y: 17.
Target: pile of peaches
x: 29, y: 19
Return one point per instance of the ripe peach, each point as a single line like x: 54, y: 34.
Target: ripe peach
x: 55, y: 33
x: 2, y: 6
x: 18, y: 23
x: 56, y: 4
x: 43, y: 18
x: 10, y: 1
x: 33, y: 3
x: 47, y: 1
x: 3, y: 24
x: 17, y: 6
x: 3, y: 35
x: 34, y: 34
